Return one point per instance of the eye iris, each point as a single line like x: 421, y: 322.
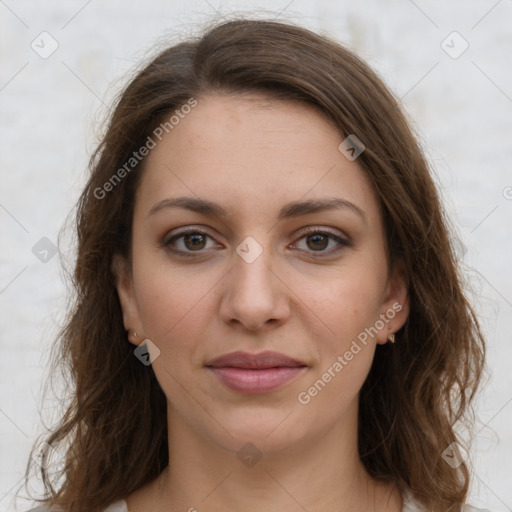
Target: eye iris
x: 322, y: 240
x: 195, y: 238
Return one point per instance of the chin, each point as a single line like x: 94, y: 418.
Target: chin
x: 270, y: 431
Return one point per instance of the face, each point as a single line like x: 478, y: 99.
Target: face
x: 275, y: 245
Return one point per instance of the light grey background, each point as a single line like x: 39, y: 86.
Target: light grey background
x: 49, y: 112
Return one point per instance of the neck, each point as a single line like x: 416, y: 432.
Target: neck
x: 321, y: 474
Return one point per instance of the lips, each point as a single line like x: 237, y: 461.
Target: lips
x: 255, y: 361
x: 255, y: 373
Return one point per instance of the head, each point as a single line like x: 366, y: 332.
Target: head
x: 254, y: 116
x: 251, y: 278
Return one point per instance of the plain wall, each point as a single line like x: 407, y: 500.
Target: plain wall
x: 49, y: 112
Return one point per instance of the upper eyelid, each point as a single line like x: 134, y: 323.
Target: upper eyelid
x: 185, y: 231
x: 301, y: 231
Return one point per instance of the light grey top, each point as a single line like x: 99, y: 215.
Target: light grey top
x: 409, y: 505
x: 412, y: 505
x: 118, y: 506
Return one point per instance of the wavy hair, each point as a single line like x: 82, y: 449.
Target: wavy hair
x: 113, y: 431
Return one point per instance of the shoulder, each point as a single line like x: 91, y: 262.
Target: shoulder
x: 118, y: 506
x: 412, y: 505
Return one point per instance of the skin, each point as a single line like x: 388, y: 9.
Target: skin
x: 252, y: 156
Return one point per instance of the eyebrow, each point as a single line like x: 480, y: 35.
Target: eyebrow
x: 289, y: 210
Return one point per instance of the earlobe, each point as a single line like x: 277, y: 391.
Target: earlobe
x: 127, y: 300
x: 396, y: 305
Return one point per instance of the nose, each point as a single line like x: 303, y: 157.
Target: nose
x: 255, y: 296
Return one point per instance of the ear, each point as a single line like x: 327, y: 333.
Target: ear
x: 125, y: 291
x: 395, y: 305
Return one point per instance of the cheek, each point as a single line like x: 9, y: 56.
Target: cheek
x: 345, y: 306
x: 343, y: 346
x: 174, y: 304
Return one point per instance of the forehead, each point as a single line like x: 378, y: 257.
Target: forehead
x: 254, y: 152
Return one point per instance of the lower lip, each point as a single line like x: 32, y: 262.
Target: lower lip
x: 253, y: 381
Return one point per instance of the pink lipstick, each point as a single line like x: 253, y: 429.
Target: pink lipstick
x: 255, y: 373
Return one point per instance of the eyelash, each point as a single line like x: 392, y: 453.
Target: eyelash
x: 343, y: 243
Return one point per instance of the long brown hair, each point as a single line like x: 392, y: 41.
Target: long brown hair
x: 114, y: 430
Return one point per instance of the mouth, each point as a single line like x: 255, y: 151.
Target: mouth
x: 255, y: 373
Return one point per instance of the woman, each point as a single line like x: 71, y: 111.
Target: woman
x: 269, y: 315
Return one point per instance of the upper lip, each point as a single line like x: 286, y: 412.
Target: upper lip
x: 260, y: 360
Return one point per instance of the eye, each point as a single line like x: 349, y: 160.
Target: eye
x: 318, y: 240
x: 193, y: 242
x: 188, y: 241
